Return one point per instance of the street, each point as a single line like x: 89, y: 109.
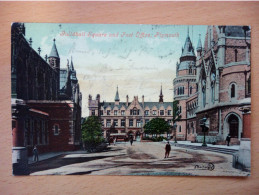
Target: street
x: 142, y: 158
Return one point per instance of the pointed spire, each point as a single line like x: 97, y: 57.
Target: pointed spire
x: 54, y: 51
x: 117, y: 98
x: 72, y: 66
x: 188, y: 48
x: 199, y: 47
x: 161, y: 95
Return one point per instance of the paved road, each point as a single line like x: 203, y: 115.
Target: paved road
x: 139, y: 159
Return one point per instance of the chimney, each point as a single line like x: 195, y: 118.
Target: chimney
x: 127, y: 98
x: 143, y: 100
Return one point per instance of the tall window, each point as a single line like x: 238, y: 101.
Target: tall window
x: 161, y: 112
x: 131, y: 122
x: 56, y: 129
x: 115, y: 121
x: 138, y: 123
x: 108, y: 122
x: 190, y: 90
x: 233, y: 90
x: 115, y: 112
x: 236, y: 55
x: 123, y: 112
x: 122, y: 122
x: 146, y: 112
x: 146, y: 121
x: 101, y: 112
x: 180, y: 129
x: 108, y: 112
x: 93, y: 112
x: 249, y: 85
x: 154, y: 112
x: 212, y: 92
x: 102, y: 122
x: 169, y: 112
x: 204, y: 92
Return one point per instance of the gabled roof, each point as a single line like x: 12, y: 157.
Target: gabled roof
x: 146, y: 104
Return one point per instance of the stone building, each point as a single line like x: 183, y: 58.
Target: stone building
x: 46, y: 100
x: 216, y: 85
x: 128, y: 118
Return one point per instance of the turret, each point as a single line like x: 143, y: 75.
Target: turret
x: 54, y: 59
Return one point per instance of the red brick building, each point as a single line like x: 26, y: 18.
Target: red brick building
x: 221, y: 84
x: 46, y: 100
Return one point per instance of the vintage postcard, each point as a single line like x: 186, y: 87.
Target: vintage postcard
x: 126, y: 99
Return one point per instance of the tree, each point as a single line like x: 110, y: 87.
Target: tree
x: 92, y: 132
x: 156, y: 126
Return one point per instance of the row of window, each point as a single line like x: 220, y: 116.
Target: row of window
x: 138, y: 122
x: 134, y: 112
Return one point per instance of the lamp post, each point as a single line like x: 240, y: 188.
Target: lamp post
x: 174, y: 127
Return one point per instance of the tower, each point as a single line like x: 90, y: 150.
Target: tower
x: 185, y: 84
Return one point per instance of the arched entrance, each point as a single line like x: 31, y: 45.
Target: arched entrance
x: 233, y: 126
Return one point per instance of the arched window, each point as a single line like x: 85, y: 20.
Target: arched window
x: 180, y: 129
x: 190, y: 90
x: 233, y: 91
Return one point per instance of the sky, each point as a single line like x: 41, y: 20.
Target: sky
x: 136, y: 58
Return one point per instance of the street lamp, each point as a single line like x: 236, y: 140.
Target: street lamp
x: 204, y: 126
x: 174, y: 127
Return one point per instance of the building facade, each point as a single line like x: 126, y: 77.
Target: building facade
x: 217, y: 86
x: 128, y: 118
x: 46, y: 100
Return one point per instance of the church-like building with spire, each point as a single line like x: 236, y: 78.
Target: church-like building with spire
x: 122, y: 119
x: 215, y: 83
x: 46, y: 100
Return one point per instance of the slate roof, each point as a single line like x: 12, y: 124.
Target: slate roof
x: 188, y: 48
x: 54, y: 51
x: 184, y: 65
x: 146, y: 104
x: 234, y: 31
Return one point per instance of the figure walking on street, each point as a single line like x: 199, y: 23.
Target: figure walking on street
x: 114, y: 141
x: 167, y: 149
x: 228, y: 139
x: 35, y: 153
x: 131, y: 140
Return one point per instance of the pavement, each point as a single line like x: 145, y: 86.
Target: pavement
x: 50, y: 155
x: 142, y: 158
x: 235, y: 147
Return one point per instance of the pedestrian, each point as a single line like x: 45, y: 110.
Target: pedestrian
x: 131, y: 140
x: 228, y: 139
x: 114, y: 140
x: 167, y: 149
x: 35, y: 153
